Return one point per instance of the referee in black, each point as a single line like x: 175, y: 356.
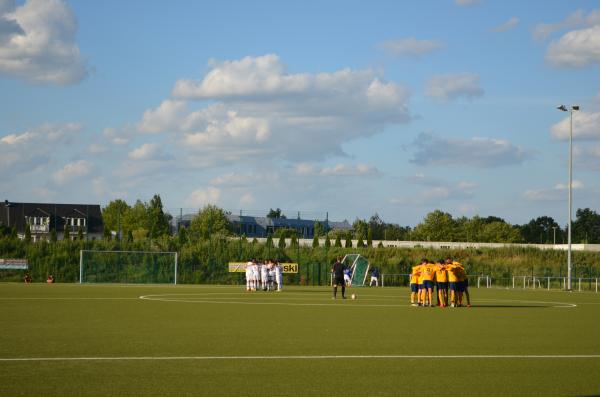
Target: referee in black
x: 338, y: 277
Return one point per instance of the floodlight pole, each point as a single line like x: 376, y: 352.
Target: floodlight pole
x: 569, y: 262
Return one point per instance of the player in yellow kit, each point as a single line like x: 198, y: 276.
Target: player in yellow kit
x: 428, y: 272
x: 452, y: 281
x: 414, y: 285
x: 463, y: 284
x: 441, y: 279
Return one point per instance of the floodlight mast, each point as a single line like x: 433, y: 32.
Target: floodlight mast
x: 569, y: 263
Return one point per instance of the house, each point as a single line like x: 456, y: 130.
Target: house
x: 42, y: 218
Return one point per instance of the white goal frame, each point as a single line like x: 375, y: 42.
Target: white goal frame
x: 125, y: 252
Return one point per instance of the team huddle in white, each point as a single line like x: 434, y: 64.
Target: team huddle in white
x: 263, y: 275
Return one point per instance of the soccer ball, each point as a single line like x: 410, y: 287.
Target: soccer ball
x: 353, y: 296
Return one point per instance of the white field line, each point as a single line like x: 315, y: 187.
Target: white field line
x: 63, y: 298
x: 310, y: 357
x: 200, y: 298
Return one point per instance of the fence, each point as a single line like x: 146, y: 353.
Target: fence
x: 514, y: 282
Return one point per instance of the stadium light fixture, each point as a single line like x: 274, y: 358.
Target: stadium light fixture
x: 569, y: 263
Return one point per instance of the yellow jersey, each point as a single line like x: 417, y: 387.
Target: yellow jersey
x: 414, y: 276
x: 428, y: 271
x: 460, y: 272
x: 452, y: 272
x: 440, y: 274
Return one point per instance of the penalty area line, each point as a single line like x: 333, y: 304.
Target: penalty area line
x: 314, y: 357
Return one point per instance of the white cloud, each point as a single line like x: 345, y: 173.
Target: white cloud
x: 350, y: 170
x: 258, y: 110
x: 512, y: 23
x: 236, y: 180
x: 118, y: 137
x: 246, y: 199
x: 557, y: 193
x: 586, y: 125
x: 164, y: 118
x: 452, y: 86
x: 435, y: 191
x: 102, y: 188
x: 465, y: 3
x: 410, y: 47
x: 562, y: 186
x: 148, y: 151
x: 72, y: 171
x: 474, y: 152
x: 25, y: 151
x: 305, y: 169
x: 587, y: 156
x: 467, y: 185
x: 37, y: 42
x: 95, y: 148
x: 203, y: 196
x: 576, y: 49
x: 577, y: 18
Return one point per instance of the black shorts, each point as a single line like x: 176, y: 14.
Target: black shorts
x: 338, y: 280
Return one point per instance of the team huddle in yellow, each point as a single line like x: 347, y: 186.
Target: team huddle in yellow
x: 446, y: 275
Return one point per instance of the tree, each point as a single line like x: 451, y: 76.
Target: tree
x: 113, y: 215
x: 67, y: 232
x: 327, y: 241
x: 360, y: 243
x: 182, y: 236
x: 338, y: 241
x: 158, y: 221
x: 269, y: 243
x: 27, y: 233
x: 377, y: 227
x: 294, y: 241
x: 539, y: 230
x: 319, y: 229
x: 275, y: 214
x: 53, y: 235
x: 80, y: 233
x: 315, y: 243
x: 210, y: 220
x: 281, y: 243
x: 360, y: 227
x: 348, y: 243
x: 437, y: 226
x: 586, y: 227
x: 370, y: 237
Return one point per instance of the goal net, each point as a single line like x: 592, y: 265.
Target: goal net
x: 359, y: 266
x: 131, y: 267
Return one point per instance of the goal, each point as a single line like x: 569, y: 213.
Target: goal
x: 130, y: 267
x: 360, y: 268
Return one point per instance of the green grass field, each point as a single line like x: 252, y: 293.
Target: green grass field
x: 68, y: 339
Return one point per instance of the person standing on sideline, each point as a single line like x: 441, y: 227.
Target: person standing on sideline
x: 374, y: 277
x: 338, y: 277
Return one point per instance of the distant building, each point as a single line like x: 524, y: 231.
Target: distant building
x: 261, y: 226
x: 42, y: 218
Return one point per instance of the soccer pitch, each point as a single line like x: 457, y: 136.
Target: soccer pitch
x: 70, y: 339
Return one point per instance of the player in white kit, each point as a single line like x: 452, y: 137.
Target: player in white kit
x: 255, y: 276
x: 248, y: 275
x: 264, y: 276
x: 278, y: 276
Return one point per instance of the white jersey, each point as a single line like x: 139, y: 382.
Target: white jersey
x: 264, y: 272
x: 248, y: 270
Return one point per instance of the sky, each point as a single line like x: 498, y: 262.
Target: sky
x: 345, y: 108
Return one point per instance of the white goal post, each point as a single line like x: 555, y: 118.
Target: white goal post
x: 132, y: 267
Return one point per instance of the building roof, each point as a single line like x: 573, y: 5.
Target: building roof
x: 17, y: 212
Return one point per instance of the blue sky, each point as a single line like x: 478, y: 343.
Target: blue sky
x: 344, y: 107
